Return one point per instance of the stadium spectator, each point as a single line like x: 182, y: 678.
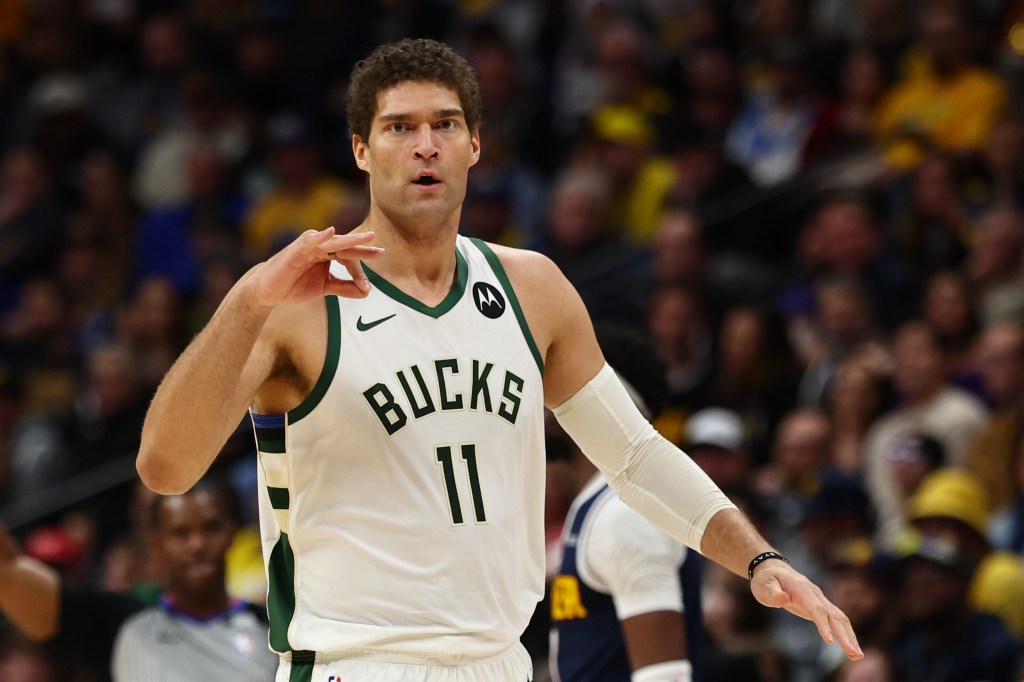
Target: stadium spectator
x: 949, y: 103
x: 858, y: 395
x: 930, y: 405
x: 305, y: 197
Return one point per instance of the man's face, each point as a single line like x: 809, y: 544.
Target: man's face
x: 418, y: 153
x: 191, y: 537
x: 931, y: 591
x: 1001, y: 361
x: 853, y: 591
x: 918, y: 362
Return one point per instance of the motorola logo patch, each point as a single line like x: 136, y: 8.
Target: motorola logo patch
x: 488, y: 300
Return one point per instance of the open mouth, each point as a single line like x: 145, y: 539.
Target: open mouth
x: 426, y: 181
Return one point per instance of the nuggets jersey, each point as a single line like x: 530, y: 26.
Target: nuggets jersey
x: 401, y: 503
x: 588, y: 645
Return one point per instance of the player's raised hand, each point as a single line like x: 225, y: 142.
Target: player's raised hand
x: 301, y: 270
x: 778, y: 585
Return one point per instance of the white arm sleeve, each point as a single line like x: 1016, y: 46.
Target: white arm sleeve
x: 632, y: 560
x: 671, y: 671
x: 650, y: 474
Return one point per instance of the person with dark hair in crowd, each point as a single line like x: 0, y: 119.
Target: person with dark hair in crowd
x: 426, y: 502
x: 948, y: 102
x: 626, y: 601
x: 995, y: 451
x: 195, y: 632
x: 305, y: 194
x: 951, y: 502
x: 948, y: 641
x: 930, y: 404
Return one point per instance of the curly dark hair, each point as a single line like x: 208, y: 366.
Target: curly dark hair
x: 409, y: 60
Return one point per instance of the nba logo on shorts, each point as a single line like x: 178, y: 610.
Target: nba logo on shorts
x: 334, y: 678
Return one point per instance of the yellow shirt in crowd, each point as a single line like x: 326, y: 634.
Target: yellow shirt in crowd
x: 953, y: 114
x: 280, y: 216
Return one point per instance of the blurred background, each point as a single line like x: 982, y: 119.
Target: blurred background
x: 813, y: 208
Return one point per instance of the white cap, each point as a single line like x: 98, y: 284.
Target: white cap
x: 58, y: 93
x: 715, y: 426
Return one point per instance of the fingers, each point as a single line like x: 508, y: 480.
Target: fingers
x: 802, y: 598
x: 832, y: 624
x: 819, y: 616
x: 779, y: 599
x: 361, y: 252
x: 769, y: 591
x: 345, y: 246
x: 847, y: 638
x: 344, y: 288
x: 355, y: 268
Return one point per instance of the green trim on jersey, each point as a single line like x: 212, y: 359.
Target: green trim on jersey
x: 279, y: 497
x: 281, y: 593
x: 302, y: 666
x: 330, y: 362
x: 391, y: 291
x: 269, y: 445
x: 499, y: 272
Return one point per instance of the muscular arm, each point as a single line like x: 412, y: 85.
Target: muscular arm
x: 655, y: 637
x: 204, y: 395
x: 207, y: 391
x: 649, y: 473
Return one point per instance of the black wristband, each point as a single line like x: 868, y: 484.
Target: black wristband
x: 761, y: 558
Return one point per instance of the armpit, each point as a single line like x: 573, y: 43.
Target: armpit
x: 286, y: 372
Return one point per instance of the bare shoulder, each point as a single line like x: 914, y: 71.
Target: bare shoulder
x: 526, y: 268
x: 558, y: 320
x: 538, y: 282
x: 542, y: 289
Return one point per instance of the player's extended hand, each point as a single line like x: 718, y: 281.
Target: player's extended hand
x: 301, y: 270
x: 779, y: 585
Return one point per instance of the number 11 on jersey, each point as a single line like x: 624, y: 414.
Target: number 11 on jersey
x: 444, y: 458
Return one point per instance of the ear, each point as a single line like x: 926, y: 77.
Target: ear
x: 359, y: 153
x: 474, y: 141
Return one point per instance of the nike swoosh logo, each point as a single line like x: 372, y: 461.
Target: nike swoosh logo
x: 363, y: 326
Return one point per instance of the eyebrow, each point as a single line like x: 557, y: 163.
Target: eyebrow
x: 440, y: 113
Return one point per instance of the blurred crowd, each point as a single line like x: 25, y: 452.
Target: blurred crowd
x: 815, y: 210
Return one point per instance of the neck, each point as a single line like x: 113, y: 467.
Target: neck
x: 418, y: 259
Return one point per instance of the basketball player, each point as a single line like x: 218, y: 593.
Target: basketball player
x: 398, y: 412
x: 625, y: 605
x: 196, y: 632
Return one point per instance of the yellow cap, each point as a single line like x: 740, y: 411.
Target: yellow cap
x: 998, y: 588
x: 953, y: 494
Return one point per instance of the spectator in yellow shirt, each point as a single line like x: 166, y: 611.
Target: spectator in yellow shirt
x: 305, y: 197
x: 951, y: 104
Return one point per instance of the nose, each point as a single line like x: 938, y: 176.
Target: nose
x: 425, y: 143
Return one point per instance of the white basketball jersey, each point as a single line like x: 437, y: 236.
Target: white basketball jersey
x: 401, y: 504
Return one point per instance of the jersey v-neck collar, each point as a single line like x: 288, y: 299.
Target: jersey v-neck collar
x: 449, y: 301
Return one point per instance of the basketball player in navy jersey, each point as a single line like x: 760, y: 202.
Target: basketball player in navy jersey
x: 625, y: 604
